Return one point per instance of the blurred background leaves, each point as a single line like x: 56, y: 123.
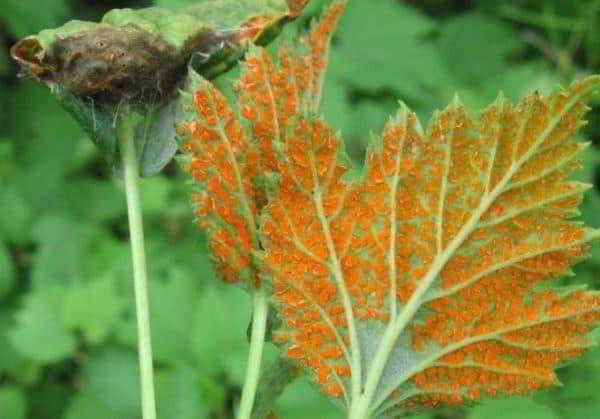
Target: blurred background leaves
x: 67, y: 332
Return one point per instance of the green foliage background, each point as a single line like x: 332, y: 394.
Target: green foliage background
x: 67, y: 332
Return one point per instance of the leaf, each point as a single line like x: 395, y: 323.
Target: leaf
x: 220, y: 161
x: 22, y: 19
x: 300, y: 401
x: 178, y: 394
x: 64, y: 245
x: 470, y: 218
x: 358, y: 64
x: 12, y: 363
x: 428, y: 280
x: 39, y: 333
x: 13, y: 402
x: 173, y: 305
x: 516, y: 407
x: 490, y: 32
x: 111, y: 377
x: 225, y: 331
x: 85, y: 406
x: 93, y: 307
x: 7, y: 271
x: 229, y: 171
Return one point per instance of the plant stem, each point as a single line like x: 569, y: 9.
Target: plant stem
x: 257, y: 341
x: 125, y: 132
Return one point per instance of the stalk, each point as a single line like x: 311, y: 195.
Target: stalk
x: 125, y: 133
x: 257, y: 341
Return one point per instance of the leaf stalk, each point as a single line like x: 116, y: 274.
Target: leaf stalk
x: 257, y: 342
x: 125, y: 133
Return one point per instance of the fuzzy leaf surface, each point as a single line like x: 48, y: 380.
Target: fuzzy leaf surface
x: 427, y: 281
x: 434, y: 270
x: 231, y: 160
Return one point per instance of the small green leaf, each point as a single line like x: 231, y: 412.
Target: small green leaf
x: 16, y: 214
x: 111, y: 377
x: 93, y: 307
x: 155, y: 194
x: 22, y: 19
x: 65, y: 245
x: 39, y: 333
x: 475, y: 61
x: 220, y: 322
x: 13, y: 404
x: 12, y: 363
x: 173, y: 304
x: 579, y: 395
x: 513, y: 408
x: 92, y: 199
x: 85, y: 406
x: 300, y: 400
x: 179, y: 395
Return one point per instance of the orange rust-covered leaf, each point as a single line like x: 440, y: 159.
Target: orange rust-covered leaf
x: 227, y: 164
x: 220, y: 160
x: 274, y: 93
x: 443, y: 253
x: 306, y: 234
x: 428, y: 281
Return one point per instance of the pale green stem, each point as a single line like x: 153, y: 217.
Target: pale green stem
x: 125, y: 132
x: 257, y: 341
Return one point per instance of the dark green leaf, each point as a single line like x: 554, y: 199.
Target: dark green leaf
x: 7, y: 271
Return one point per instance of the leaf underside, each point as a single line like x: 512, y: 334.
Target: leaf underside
x: 229, y: 167
x: 449, y: 243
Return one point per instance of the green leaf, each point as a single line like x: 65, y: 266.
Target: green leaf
x: 300, y: 400
x: 22, y: 19
x: 357, y: 58
x: 90, y: 199
x: 173, y: 304
x: 179, y: 396
x: 513, y: 408
x: 469, y: 56
x: 111, y: 378
x: 93, y: 307
x: 39, y: 333
x: 85, y: 406
x: 16, y: 214
x: 579, y: 395
x: 65, y: 245
x: 12, y: 363
x: 7, y: 271
x: 155, y: 195
x: 13, y: 404
x: 218, y: 331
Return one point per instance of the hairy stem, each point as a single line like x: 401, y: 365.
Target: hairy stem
x: 125, y: 132
x: 257, y: 341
